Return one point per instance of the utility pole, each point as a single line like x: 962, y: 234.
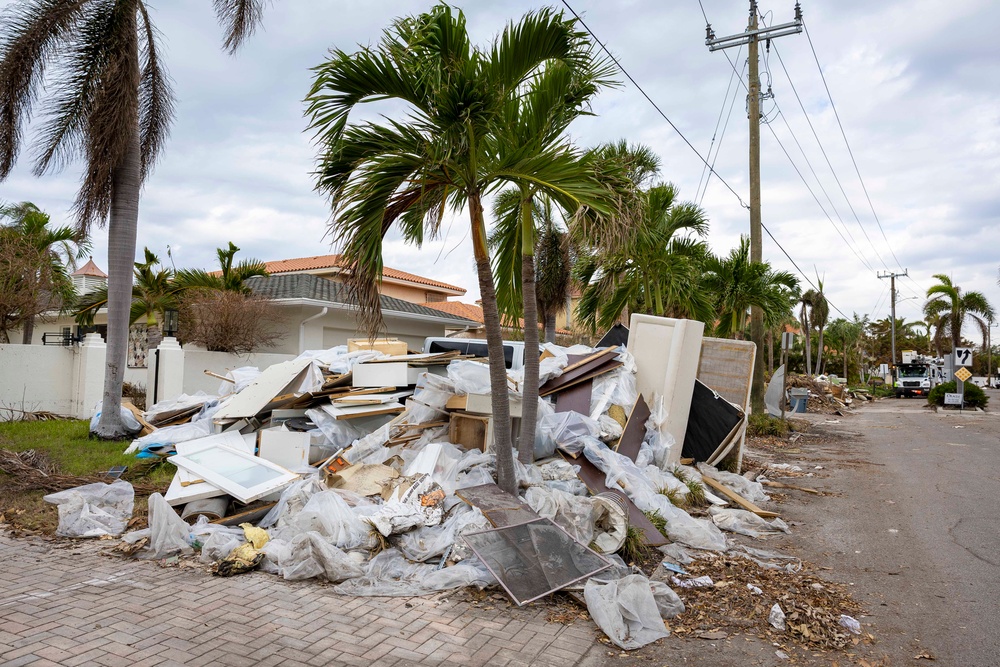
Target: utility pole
x: 751, y: 37
x: 892, y: 287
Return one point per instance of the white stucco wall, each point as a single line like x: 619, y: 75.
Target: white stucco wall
x: 36, y: 377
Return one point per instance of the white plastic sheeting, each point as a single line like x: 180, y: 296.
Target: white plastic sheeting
x: 746, y: 523
x: 93, y: 510
x: 626, y: 610
x: 390, y: 574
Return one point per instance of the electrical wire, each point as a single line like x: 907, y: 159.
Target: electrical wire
x: 847, y: 143
x: 650, y: 100
x: 718, y: 148
x: 718, y: 122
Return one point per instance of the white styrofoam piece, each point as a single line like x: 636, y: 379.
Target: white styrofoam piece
x: 289, y: 449
x: 666, y: 352
x: 272, y: 382
x: 385, y: 374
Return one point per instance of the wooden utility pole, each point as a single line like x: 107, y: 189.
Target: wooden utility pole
x: 751, y: 38
x: 892, y: 286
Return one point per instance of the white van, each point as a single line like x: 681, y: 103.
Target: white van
x: 513, y: 350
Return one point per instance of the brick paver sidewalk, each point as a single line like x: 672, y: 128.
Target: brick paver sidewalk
x: 64, y: 603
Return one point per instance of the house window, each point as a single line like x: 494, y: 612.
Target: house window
x: 431, y: 297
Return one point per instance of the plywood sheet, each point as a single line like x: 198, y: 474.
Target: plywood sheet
x: 635, y: 429
x: 576, y: 398
x: 274, y: 381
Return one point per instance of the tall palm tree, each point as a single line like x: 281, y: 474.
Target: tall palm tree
x: 655, y: 271
x: 736, y: 284
x: 949, y: 306
x: 59, y: 247
x: 806, y: 302
x: 449, y: 150
x: 819, y: 312
x: 109, y: 104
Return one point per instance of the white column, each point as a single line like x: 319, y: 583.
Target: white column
x: 88, y: 375
x: 168, y: 364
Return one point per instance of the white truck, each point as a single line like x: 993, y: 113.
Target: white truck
x: 917, y: 375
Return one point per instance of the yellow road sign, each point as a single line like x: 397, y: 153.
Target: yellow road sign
x: 962, y: 374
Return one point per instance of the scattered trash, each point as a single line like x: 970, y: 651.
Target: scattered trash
x: 626, y: 611
x: 697, y: 582
x: 850, y: 623
x: 93, y: 510
x: 673, y: 568
x: 754, y: 589
x: 776, y: 617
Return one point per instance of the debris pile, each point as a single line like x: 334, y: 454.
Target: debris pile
x: 376, y: 472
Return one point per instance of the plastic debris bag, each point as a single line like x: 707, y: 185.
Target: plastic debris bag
x: 625, y: 610
x: 746, y: 523
x: 776, y: 617
x: 390, y: 574
x: 568, y: 430
x: 429, y: 542
x: 219, y: 544
x: 131, y: 423
x: 339, y: 433
x: 752, y: 491
x: 328, y: 514
x: 771, y: 560
x: 667, y: 601
x: 575, y: 515
x: 168, y: 533
x: 312, y: 555
x: 95, y: 509
x: 469, y: 377
x: 241, y: 379
x: 170, y: 435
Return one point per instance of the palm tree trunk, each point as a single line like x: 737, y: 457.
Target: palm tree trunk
x: 550, y: 327
x: 529, y: 406
x: 770, y: 351
x: 506, y: 479
x: 29, y: 332
x: 845, y: 362
x: 819, y: 352
x: 122, y: 229
x: 529, y: 392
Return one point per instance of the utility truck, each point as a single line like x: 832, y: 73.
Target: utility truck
x: 917, y: 375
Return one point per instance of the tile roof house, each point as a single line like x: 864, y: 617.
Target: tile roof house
x: 474, y: 312
x: 395, y: 283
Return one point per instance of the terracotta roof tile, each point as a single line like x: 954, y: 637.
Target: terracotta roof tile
x: 472, y: 312
x: 333, y: 261
x: 90, y: 269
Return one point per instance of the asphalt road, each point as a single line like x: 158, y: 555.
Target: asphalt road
x: 914, y: 527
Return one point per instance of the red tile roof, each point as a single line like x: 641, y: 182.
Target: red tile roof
x: 472, y: 312
x: 334, y: 262
x: 90, y: 269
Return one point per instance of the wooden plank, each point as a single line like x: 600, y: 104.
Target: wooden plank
x: 561, y: 384
x: 587, y: 360
x: 782, y: 485
x: 576, y: 398
x: 356, y: 411
x: 593, y: 478
x: 469, y: 431
x: 635, y: 430
x: 737, y: 498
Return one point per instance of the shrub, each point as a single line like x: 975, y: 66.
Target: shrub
x: 763, y: 424
x: 975, y: 397
x: 229, y: 322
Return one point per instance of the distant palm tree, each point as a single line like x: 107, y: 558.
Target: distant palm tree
x: 110, y: 105
x: 736, y: 284
x: 819, y: 313
x: 948, y: 306
x: 61, y: 247
x: 229, y: 278
x: 449, y: 150
x: 656, y: 271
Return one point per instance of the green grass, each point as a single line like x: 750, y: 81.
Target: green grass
x: 67, y: 445
x: 634, y: 549
x: 658, y: 521
x: 762, y: 424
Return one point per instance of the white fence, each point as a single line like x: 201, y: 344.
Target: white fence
x: 69, y: 381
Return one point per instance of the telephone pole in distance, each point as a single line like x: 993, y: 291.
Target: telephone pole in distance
x: 892, y: 287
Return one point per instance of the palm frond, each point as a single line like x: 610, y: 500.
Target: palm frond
x: 240, y: 19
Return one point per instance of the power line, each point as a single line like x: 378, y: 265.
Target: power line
x: 650, y: 100
x: 718, y: 122
x: 849, y: 151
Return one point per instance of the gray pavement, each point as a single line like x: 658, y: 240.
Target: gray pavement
x: 64, y: 603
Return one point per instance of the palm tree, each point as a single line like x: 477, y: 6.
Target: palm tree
x: 656, y: 270
x: 59, y: 247
x: 949, y: 306
x: 109, y: 104
x: 229, y: 278
x: 846, y: 333
x: 806, y: 302
x: 736, y: 284
x: 154, y: 292
x: 449, y: 150
x: 819, y: 311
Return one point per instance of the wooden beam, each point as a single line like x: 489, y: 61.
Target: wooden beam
x: 737, y: 498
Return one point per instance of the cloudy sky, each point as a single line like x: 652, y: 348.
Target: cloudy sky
x: 915, y: 84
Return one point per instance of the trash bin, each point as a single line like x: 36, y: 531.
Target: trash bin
x: 798, y: 399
